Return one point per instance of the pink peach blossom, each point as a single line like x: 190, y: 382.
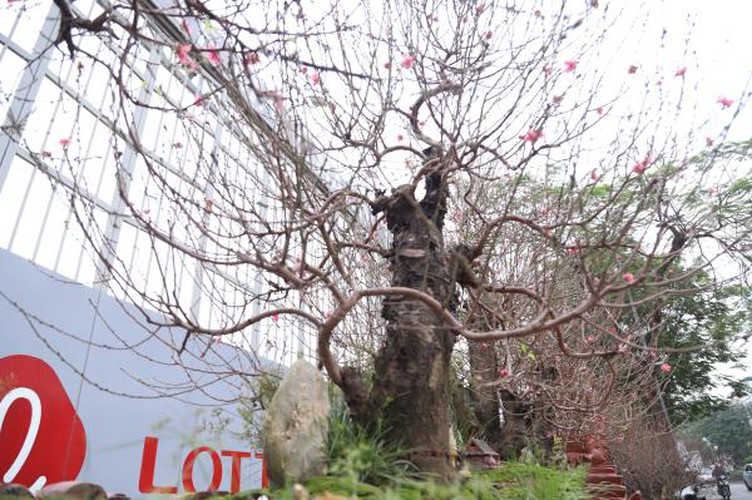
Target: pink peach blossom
x: 185, y: 59
x: 725, y: 102
x: 213, y: 56
x: 532, y: 135
x: 641, y: 166
x: 183, y: 51
x: 407, y: 62
x: 628, y: 277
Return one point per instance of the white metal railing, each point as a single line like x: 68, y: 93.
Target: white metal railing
x: 64, y: 132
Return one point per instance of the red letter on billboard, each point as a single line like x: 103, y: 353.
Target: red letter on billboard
x: 237, y: 456
x: 264, y: 478
x: 42, y: 439
x: 188, y: 469
x: 148, y: 464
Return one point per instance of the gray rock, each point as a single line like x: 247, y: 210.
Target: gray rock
x: 296, y: 426
x: 14, y: 490
x: 73, y: 490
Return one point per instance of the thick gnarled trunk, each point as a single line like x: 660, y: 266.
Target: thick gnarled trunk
x: 410, y: 392
x: 412, y: 369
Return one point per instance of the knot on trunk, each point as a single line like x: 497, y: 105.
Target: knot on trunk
x: 356, y: 394
x: 399, y: 207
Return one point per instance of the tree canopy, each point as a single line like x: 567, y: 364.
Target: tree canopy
x: 406, y: 179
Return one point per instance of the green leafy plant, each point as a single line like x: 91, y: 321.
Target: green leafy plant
x: 361, y: 455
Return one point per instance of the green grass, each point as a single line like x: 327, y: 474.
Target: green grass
x: 363, y: 465
x: 513, y: 481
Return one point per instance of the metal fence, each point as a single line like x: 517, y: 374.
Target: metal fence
x: 64, y: 131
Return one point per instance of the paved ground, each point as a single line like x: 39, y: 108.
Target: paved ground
x: 738, y: 492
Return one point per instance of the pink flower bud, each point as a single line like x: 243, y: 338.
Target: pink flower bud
x: 725, y: 102
x: 407, y: 62
x: 532, y: 135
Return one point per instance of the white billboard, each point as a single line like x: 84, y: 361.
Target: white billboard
x: 87, y: 394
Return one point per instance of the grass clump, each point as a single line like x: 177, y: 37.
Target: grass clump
x: 513, y: 481
x: 363, y: 465
x: 359, y: 456
x: 525, y: 481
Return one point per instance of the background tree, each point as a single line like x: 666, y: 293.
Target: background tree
x: 691, y: 393
x: 728, y: 432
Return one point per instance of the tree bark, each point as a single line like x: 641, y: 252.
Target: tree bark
x: 516, y: 426
x: 485, y: 392
x: 410, y: 392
